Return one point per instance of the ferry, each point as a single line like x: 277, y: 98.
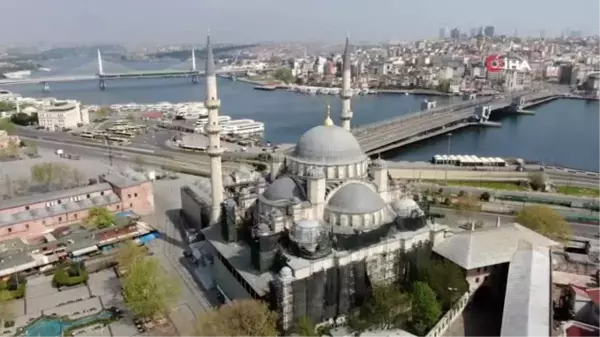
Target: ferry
x: 204, y: 120
x: 243, y: 127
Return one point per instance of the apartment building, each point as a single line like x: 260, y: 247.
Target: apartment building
x: 58, y: 115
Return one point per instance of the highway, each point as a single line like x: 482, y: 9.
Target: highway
x: 452, y: 216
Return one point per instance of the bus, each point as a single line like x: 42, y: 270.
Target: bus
x: 87, y: 134
x: 124, y: 134
x: 119, y: 140
x: 121, y: 122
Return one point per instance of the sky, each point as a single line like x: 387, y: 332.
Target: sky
x: 245, y: 21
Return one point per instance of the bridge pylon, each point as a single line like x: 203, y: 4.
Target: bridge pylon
x: 46, y: 86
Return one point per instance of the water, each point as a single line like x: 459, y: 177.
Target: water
x: 565, y: 132
x: 47, y: 326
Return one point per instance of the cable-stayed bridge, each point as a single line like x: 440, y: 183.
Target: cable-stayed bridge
x: 103, y: 71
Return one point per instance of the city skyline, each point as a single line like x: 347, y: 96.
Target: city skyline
x: 186, y: 21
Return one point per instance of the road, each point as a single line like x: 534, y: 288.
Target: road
x: 169, y: 251
x: 453, y: 217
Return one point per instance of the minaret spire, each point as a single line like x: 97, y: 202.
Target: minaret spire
x: 346, y: 92
x: 213, y: 130
x: 328, y: 121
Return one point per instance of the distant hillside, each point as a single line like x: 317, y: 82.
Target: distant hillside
x: 200, y: 53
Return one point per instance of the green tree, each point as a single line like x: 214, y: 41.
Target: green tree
x: 100, y: 217
x: 7, y: 125
x: 425, y: 309
x: 305, y: 327
x: 386, y: 308
x: 238, y: 318
x: 443, y: 86
x: 24, y: 119
x: 446, y: 279
x: 284, y: 74
x: 30, y: 147
x: 129, y: 254
x: 140, y: 161
x: 51, y: 175
x: 544, y: 220
x: 147, y: 290
x: 103, y: 112
x: 6, y: 309
x: 538, y: 181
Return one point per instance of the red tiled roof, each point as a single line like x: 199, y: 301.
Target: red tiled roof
x: 592, y: 293
x: 578, y: 329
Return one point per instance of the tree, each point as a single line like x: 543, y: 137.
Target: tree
x: 147, y: 290
x: 238, y: 318
x: 140, y: 161
x: 305, y: 327
x: 425, y: 309
x: 446, y: 279
x: 31, y: 147
x: 24, y: 119
x: 386, y: 308
x: 466, y: 205
x: 6, y: 309
x: 51, y: 175
x: 538, y: 180
x: 284, y: 74
x: 443, y: 86
x: 129, y: 254
x: 103, y: 112
x: 7, y: 125
x: 100, y: 217
x: 77, y: 177
x: 544, y: 220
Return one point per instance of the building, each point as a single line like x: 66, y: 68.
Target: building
x: 568, y: 74
x: 34, y: 216
x: 488, y: 31
x: 515, y: 80
x: 455, y: 34
x: 585, y: 303
x: 313, y: 233
x: 58, y: 115
x: 7, y: 140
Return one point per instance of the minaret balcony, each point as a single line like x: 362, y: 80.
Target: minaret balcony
x: 212, y: 128
x: 346, y: 93
x: 346, y: 114
x: 212, y: 103
x: 214, y: 151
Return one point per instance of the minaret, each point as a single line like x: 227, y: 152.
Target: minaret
x: 346, y: 92
x: 213, y: 129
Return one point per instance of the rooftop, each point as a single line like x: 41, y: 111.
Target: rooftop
x: 489, y: 246
x: 54, y: 195
x: 527, y: 300
x: 124, y: 179
x: 238, y: 255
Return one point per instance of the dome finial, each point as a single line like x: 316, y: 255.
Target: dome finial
x: 328, y: 120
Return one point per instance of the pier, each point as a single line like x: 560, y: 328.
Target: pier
x: 380, y: 137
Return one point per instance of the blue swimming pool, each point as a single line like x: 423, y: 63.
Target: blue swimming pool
x: 128, y: 213
x: 56, y: 326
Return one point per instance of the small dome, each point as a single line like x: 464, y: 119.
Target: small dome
x: 285, y: 272
x: 284, y: 188
x: 329, y: 145
x: 356, y: 198
x: 306, y: 232
x: 405, y: 207
x: 263, y: 229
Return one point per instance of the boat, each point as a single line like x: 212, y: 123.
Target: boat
x: 243, y: 127
x: 266, y: 87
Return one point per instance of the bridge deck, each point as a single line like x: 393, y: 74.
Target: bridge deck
x: 387, y: 135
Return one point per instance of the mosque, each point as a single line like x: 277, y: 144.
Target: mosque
x: 312, y: 234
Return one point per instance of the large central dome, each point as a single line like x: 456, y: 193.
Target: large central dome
x: 328, y: 145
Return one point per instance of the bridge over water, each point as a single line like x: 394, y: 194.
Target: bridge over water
x: 393, y: 133
x: 103, y: 71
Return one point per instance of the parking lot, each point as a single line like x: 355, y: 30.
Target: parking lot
x: 101, y: 292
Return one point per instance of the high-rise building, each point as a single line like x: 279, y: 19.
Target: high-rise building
x: 489, y: 31
x: 455, y: 33
x: 442, y: 33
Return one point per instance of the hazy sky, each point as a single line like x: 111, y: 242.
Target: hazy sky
x: 161, y: 21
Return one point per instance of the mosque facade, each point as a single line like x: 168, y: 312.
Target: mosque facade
x: 312, y: 234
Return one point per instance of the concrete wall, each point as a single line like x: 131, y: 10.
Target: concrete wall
x: 444, y: 323
x: 440, y: 174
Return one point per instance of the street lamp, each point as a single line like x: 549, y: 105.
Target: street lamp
x: 448, y: 156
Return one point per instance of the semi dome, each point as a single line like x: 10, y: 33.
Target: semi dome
x: 329, y: 145
x: 356, y: 198
x: 405, y: 207
x: 284, y: 188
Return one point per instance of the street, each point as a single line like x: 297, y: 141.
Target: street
x: 169, y: 251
